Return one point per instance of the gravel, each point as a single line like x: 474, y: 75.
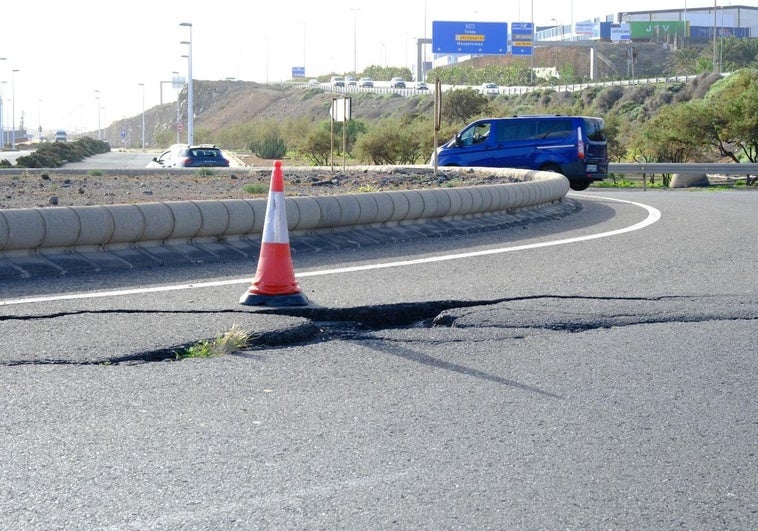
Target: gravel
x: 60, y: 190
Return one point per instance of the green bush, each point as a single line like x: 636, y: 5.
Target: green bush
x: 272, y: 147
x: 53, y: 155
x: 389, y: 143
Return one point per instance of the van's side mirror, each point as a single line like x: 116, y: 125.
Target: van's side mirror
x: 458, y: 141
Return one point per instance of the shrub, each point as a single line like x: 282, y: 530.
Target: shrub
x: 272, y: 147
x: 53, y: 155
x: 389, y: 144
x: 317, y: 147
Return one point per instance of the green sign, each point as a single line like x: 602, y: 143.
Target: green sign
x: 658, y: 30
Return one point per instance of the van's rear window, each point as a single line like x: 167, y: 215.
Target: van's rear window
x: 595, y: 129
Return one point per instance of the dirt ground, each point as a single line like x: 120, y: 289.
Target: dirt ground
x: 51, y: 189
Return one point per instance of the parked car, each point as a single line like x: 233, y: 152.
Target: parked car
x: 422, y: 86
x: 337, y: 81
x: 489, y: 89
x: 575, y: 146
x: 185, y: 156
x: 366, y: 82
x: 397, y: 82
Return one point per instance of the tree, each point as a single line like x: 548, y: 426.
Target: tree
x: 683, y: 61
x: 668, y: 137
x: 317, y: 147
x: 461, y: 105
x: 733, y: 106
x: 731, y: 110
x: 389, y: 143
x: 387, y: 72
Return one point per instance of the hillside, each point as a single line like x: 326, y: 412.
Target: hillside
x: 221, y: 105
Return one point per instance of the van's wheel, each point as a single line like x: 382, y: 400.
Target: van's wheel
x: 551, y: 167
x: 578, y: 186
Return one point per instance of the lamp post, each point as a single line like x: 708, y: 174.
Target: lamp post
x: 2, y: 112
x: 143, y: 116
x: 304, y: 47
x: 190, y: 103
x: 175, y: 77
x: 2, y: 131
x: 531, y: 55
x: 97, y: 97
x: 355, y: 39
x: 39, y: 119
x: 185, y: 56
x: 716, y: 66
x: 13, y: 108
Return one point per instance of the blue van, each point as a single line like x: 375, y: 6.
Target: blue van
x: 575, y: 146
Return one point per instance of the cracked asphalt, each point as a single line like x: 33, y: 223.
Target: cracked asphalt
x: 606, y: 383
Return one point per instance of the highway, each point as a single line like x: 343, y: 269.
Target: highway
x: 595, y: 370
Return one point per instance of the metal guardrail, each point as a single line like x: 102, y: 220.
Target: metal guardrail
x: 381, y: 88
x: 727, y: 168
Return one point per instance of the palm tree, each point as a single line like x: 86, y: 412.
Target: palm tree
x: 684, y: 61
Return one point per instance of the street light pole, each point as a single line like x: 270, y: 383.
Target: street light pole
x: 13, y: 108
x: 97, y: 97
x: 143, y: 116
x: 39, y: 119
x: 190, y: 103
x: 2, y: 112
x: 2, y: 131
x: 716, y: 66
x: 355, y: 39
x: 304, y: 47
x: 178, y: 110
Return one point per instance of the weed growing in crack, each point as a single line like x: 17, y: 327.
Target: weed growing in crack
x: 231, y: 341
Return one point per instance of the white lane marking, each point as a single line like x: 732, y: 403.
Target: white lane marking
x: 653, y: 215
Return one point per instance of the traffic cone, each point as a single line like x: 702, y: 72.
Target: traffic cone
x: 274, y: 283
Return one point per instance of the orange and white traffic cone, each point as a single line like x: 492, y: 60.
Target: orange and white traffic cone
x: 274, y: 283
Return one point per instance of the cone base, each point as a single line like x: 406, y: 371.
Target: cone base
x: 257, y: 299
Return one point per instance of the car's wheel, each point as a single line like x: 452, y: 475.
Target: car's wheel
x: 578, y: 186
x: 551, y: 167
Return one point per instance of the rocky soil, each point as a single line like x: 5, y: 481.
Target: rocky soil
x: 53, y: 189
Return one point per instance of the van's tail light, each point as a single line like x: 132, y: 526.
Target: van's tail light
x: 579, y: 143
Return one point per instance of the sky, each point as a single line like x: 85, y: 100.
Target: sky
x: 84, y: 63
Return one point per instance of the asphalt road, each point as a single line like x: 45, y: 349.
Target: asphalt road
x: 595, y: 371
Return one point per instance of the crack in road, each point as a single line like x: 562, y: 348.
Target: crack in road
x: 324, y: 324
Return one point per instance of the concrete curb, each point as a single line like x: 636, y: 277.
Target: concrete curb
x: 45, y: 237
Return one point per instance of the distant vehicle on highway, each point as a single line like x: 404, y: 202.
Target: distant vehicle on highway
x: 366, y: 82
x: 422, y: 86
x: 185, y: 156
x: 60, y: 136
x: 313, y: 82
x: 350, y: 81
x: 489, y: 89
x: 337, y: 81
x: 397, y: 82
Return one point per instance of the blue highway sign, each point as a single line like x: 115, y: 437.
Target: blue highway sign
x: 480, y: 38
x: 522, y: 38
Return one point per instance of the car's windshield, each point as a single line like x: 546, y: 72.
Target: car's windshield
x: 475, y: 134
